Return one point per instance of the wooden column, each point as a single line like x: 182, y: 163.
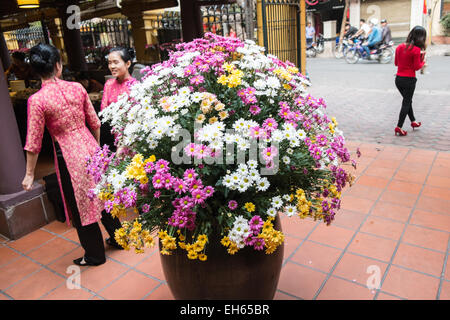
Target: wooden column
x: 57, y: 38
x: 12, y: 165
x: 302, y: 37
x: 139, y: 35
x: 191, y: 20
x: 72, y: 42
x: 4, y: 53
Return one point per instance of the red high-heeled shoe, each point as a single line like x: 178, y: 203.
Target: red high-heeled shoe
x: 400, y: 131
x: 415, y: 124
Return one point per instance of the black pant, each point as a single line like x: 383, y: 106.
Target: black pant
x: 106, y: 137
x: 90, y: 236
x: 406, y: 86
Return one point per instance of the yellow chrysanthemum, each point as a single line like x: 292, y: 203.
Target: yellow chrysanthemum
x: 225, y: 241
x: 192, y: 255
x: 249, y: 206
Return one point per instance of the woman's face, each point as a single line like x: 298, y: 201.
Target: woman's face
x: 117, y: 66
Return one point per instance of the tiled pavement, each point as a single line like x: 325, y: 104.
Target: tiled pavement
x: 395, y: 220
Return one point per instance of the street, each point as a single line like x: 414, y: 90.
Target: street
x: 366, y: 103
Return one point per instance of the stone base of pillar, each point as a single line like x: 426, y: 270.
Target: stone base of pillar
x: 24, y: 212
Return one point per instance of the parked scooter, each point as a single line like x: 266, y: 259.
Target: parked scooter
x: 311, y: 51
x: 315, y: 47
x: 383, y: 53
x: 320, y: 47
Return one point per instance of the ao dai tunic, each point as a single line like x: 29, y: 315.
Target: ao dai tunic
x: 64, y: 107
x: 113, y: 89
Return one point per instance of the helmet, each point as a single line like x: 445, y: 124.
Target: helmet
x: 383, y: 21
x: 374, y: 21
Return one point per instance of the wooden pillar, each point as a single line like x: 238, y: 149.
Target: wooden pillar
x: 138, y: 31
x: 72, y: 42
x: 302, y: 37
x: 57, y: 38
x: 191, y: 20
x: 4, y: 53
x: 259, y: 23
x: 12, y: 165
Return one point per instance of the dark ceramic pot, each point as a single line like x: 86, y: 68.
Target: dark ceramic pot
x: 247, y: 275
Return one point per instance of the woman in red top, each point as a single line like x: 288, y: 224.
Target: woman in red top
x: 409, y: 58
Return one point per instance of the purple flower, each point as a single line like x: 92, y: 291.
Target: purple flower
x: 259, y: 244
x: 232, y: 204
x: 146, y: 208
x: 256, y: 223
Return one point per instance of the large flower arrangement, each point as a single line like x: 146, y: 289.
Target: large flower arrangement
x: 223, y: 92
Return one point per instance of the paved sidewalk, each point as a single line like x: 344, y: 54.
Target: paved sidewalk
x: 395, y: 220
x: 366, y: 103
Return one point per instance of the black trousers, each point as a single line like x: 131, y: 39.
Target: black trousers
x: 106, y: 137
x: 406, y: 86
x: 90, y: 236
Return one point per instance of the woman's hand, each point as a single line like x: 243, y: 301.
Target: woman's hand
x: 27, y: 182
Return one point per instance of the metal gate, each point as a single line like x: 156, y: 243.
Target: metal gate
x: 281, y: 28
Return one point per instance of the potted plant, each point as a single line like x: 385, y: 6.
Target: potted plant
x: 253, y: 145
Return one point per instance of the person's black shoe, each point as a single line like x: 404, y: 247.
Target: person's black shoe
x: 113, y: 243
x: 85, y: 262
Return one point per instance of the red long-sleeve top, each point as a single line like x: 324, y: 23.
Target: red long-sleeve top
x: 408, y: 60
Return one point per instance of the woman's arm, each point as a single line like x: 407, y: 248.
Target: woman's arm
x: 96, y: 134
x: 35, y: 131
x: 91, y: 116
x: 28, y: 180
x: 418, y: 61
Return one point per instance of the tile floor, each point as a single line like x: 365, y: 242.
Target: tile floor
x: 394, y: 224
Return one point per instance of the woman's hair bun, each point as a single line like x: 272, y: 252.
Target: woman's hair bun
x: 131, y: 53
x: 43, y: 58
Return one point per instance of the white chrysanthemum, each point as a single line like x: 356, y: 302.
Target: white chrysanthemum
x: 277, y: 202
x: 227, y: 181
x: 273, y: 82
x: 290, y: 211
x: 253, y: 174
x: 235, y: 177
x: 263, y: 184
x: 286, y: 160
x: 252, y: 164
x: 197, y: 96
x: 259, y: 84
x: 243, y: 144
x: 290, y: 151
x: 272, y: 212
x: 301, y: 134
x: 239, y: 125
x: 242, y: 169
x: 286, y: 197
x: 277, y: 136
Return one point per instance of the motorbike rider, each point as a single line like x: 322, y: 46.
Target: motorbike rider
x: 374, y: 36
x: 349, y: 31
x: 363, y: 31
x: 386, y: 32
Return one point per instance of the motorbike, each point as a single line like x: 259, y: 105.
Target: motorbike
x: 315, y: 47
x: 320, y: 47
x: 382, y: 53
x: 311, y: 51
x: 340, y: 50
